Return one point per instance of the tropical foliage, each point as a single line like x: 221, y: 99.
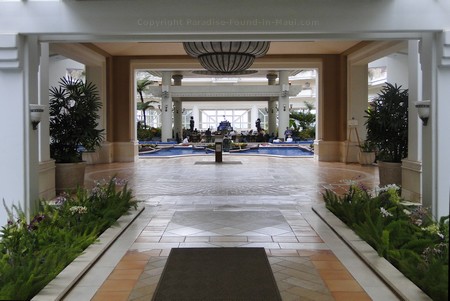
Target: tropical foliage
x: 405, y: 234
x: 142, y: 86
x: 387, y: 123
x: 148, y: 133
x: 74, y: 107
x: 303, y: 123
x: 33, y: 253
x: 367, y: 146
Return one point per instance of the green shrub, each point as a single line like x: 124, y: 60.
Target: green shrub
x: 406, y: 235
x: 32, y: 254
x: 146, y: 134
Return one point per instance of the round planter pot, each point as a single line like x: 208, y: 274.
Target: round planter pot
x: 69, y: 176
x: 390, y: 173
x: 366, y: 158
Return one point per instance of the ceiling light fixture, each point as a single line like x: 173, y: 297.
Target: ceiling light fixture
x: 226, y: 57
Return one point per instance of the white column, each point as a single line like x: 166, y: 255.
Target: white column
x: 177, y: 113
x: 46, y: 164
x: 442, y: 122
x: 254, y: 113
x: 166, y: 107
x: 272, y: 108
x: 283, y: 104
x: 44, y: 134
x: 19, y: 179
x: 428, y: 63
x: 196, y: 114
x: 271, y: 105
x: 412, y: 165
x: 435, y: 63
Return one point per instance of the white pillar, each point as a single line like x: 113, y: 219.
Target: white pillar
x: 44, y: 134
x: 19, y: 179
x: 166, y: 107
x: 196, y: 115
x: 442, y: 122
x: 435, y: 164
x: 271, y: 106
x: 177, y: 113
x: 46, y: 164
x: 283, y: 103
x: 254, y: 113
x: 412, y: 165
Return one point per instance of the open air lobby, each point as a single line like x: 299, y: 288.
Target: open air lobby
x: 335, y: 55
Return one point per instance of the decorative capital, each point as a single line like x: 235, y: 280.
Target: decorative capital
x: 177, y: 79
x: 271, y: 77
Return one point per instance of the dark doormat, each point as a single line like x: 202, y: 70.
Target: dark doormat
x: 217, y: 274
x: 214, y: 162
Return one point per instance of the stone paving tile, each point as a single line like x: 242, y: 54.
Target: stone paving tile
x: 263, y: 202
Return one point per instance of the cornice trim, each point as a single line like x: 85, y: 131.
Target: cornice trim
x: 10, y: 51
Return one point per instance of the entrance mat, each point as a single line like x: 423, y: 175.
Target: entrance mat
x: 217, y: 274
x: 214, y: 162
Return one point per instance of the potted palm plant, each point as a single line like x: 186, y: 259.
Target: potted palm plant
x: 387, y: 129
x: 366, y: 156
x: 73, y: 110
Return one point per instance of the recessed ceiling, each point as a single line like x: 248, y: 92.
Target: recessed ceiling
x: 276, y: 48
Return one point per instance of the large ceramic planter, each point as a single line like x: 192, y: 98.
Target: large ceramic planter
x: 366, y: 158
x: 69, y: 176
x: 90, y: 157
x: 390, y: 173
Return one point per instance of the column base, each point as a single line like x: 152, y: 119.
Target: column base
x: 411, y: 180
x: 125, y: 151
x: 47, y: 179
x: 329, y: 151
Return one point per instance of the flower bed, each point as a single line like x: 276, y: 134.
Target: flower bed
x: 403, y: 233
x: 32, y: 254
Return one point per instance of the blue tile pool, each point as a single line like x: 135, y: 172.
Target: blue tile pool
x: 281, y: 151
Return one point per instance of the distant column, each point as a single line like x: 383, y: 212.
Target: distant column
x: 166, y: 107
x: 283, y: 103
x: 177, y: 109
x: 271, y: 105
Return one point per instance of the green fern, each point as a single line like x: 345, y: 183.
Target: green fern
x: 31, y: 255
x: 419, y: 252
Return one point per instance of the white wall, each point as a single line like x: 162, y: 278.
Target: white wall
x: 58, y: 68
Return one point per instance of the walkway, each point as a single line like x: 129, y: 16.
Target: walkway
x: 248, y: 201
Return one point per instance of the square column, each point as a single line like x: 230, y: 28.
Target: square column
x: 19, y: 178
x: 283, y: 103
x: 166, y: 106
x: 412, y: 165
x: 435, y: 62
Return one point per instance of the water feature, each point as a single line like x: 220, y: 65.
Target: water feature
x: 279, y: 151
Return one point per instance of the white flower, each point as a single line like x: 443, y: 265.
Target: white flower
x: 385, y: 213
x: 389, y: 187
x: 78, y: 209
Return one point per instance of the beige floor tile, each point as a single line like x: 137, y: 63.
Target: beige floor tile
x: 263, y: 201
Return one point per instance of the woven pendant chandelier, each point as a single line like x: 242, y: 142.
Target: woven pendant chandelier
x: 226, y: 57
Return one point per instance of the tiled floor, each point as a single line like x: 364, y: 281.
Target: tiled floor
x: 261, y: 202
